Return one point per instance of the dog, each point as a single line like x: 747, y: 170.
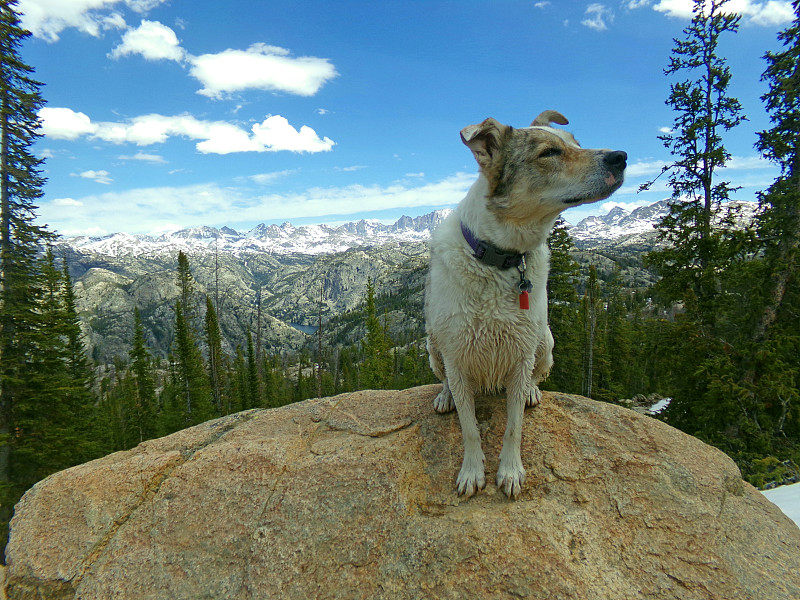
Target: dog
x: 486, y: 288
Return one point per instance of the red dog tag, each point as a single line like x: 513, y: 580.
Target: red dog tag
x: 523, y: 300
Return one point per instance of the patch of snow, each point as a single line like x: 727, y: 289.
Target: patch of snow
x: 659, y: 406
x: 787, y: 498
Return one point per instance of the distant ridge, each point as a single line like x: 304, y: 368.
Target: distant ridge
x: 636, y: 228
x: 272, y: 239
x: 620, y: 228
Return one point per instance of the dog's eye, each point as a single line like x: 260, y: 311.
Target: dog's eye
x: 549, y: 153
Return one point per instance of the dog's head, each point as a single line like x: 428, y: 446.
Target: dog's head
x: 538, y: 171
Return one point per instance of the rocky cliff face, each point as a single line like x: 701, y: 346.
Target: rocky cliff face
x: 352, y: 497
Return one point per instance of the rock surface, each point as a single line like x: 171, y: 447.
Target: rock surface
x: 353, y: 497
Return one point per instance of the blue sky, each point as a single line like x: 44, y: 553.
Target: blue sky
x: 173, y: 113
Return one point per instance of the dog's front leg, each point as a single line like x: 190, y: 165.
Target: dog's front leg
x: 472, y: 476
x: 541, y: 369
x: 511, y: 473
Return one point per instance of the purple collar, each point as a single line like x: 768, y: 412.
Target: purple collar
x: 490, y: 254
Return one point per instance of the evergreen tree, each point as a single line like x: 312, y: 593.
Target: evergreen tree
x: 21, y: 240
x: 563, y: 309
x: 619, y: 342
x: 698, y: 248
x: 190, y: 387
x: 240, y: 391
x: 764, y: 359
x: 143, y: 387
x: 185, y: 285
x: 253, y: 381
x: 590, y: 307
x: 191, y: 382
x: 216, y: 359
x: 376, y: 371
x: 53, y: 413
x: 271, y: 378
x: 779, y: 219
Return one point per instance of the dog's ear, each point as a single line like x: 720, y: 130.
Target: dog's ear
x: 549, y: 116
x: 484, y: 140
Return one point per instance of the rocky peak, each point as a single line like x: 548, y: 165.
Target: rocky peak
x: 353, y: 497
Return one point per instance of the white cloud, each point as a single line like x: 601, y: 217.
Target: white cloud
x: 641, y: 168
x: 260, y: 67
x: 64, y: 123
x: 769, y: 13
x: 351, y: 169
x: 607, y: 206
x: 736, y: 163
x: 541, y: 4
x: 152, y: 40
x: 67, y: 202
x: 46, y: 19
x: 98, y: 176
x: 274, y: 134
x: 148, y: 209
x: 745, y: 163
x: 268, y: 178
x: 598, y: 17
x: 144, y: 157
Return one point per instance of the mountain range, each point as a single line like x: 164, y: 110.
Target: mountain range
x: 294, y: 276
x: 621, y: 227
x: 271, y: 239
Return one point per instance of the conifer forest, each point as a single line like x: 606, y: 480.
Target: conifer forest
x: 718, y: 332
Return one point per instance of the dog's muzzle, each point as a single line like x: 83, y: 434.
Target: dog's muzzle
x: 616, y: 160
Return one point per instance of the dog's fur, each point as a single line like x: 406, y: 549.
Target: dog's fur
x: 479, y: 339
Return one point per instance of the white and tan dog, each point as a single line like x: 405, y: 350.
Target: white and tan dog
x: 486, y: 296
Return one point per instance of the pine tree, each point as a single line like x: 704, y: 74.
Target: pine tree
x: 590, y: 307
x: 698, y: 248
x: 253, y: 381
x: 191, y: 382
x: 216, y: 359
x: 240, y: 390
x: 766, y: 363
x: 21, y: 240
x: 54, y: 413
x: 779, y: 219
x: 619, y: 342
x: 143, y: 392
x: 564, y: 317
x: 376, y: 371
x: 185, y: 285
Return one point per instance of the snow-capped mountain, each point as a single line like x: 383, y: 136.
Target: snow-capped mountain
x: 272, y: 239
x: 289, y: 268
x: 636, y: 228
x: 620, y: 228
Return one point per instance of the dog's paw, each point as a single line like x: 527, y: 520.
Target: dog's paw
x: 510, y: 478
x: 471, y: 478
x: 534, y: 397
x: 443, y: 403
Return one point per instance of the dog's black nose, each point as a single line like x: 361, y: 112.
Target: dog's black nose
x: 616, y: 159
